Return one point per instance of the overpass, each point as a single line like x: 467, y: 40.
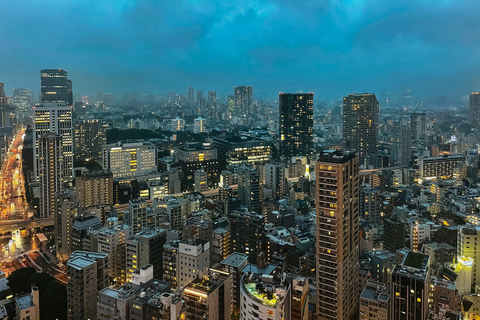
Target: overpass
x: 368, y: 171
x: 11, y: 225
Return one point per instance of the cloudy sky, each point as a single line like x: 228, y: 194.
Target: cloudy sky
x: 330, y: 47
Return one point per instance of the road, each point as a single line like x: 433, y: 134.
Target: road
x: 47, y: 267
x: 12, y: 182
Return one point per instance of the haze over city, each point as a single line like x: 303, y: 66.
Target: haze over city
x: 328, y: 47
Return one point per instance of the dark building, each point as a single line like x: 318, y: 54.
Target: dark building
x: 475, y: 109
x: 195, y: 156
x: 360, y: 126
x: 247, y: 233
x: 55, y: 87
x: 243, y: 100
x: 394, y: 235
x: 296, y: 124
x: 80, y: 231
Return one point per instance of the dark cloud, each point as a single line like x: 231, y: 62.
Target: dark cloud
x: 330, y: 47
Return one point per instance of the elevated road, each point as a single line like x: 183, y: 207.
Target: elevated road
x: 11, y: 225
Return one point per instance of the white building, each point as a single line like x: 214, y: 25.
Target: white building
x: 193, y: 257
x: 130, y: 159
x: 178, y: 124
x: 419, y: 233
x: 199, y: 125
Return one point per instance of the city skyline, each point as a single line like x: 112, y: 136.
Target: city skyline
x: 326, y: 48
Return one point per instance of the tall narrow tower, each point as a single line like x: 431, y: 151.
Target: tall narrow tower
x: 296, y: 124
x: 360, y: 126
x: 475, y: 109
x: 243, y: 100
x: 50, y: 169
x: 337, y: 247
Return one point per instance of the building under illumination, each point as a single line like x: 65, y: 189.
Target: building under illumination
x: 337, y: 235
x: 243, y: 100
x: 234, y: 150
x: 130, y: 159
x: 55, y: 87
x: 436, y: 167
x: 56, y: 118
x: 90, y: 136
x: 296, y: 124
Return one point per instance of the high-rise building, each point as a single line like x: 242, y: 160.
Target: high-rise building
x: 337, y: 234
x: 55, y: 87
x: 208, y: 296
x: 394, y: 235
x: 190, y: 97
x: 67, y: 209
x: 212, y: 98
x: 56, y: 118
x: 50, y: 165
x: 199, y: 125
x: 221, y: 247
x: 146, y: 248
x: 87, y: 274
x: 94, y: 188
x: 410, y: 288
x: 130, y: 159
x: 247, y: 233
x: 234, y: 265
x: 475, y: 109
x: 23, y: 101
x: 467, y: 248
x: 249, y: 187
x: 296, y: 124
x: 170, y: 262
x: 90, y: 136
x: 275, y: 179
x: 243, y: 100
x: 193, y: 258
x: 200, y: 101
x: 360, y: 126
x: 418, y: 127
x: 370, y: 200
x: 400, y: 144
x: 141, y: 217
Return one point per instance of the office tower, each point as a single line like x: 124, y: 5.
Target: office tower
x: 90, y: 136
x: 51, y: 117
x: 87, y: 274
x: 467, y: 249
x: 296, y: 124
x: 243, y: 101
x: 410, y: 288
x: 247, y: 232
x: 67, y: 210
x: 170, y: 262
x: 94, y: 188
x: 234, y: 265
x: 50, y: 165
x: 400, y: 144
x: 146, y: 248
x: 264, y: 297
x: 370, y: 201
x: 55, y: 87
x: 195, y: 156
x: 337, y: 234
x: 360, y: 126
x: 418, y: 127
x: 435, y: 167
x: 193, y: 258
x: 374, y: 301
x: 394, y: 235
x: 130, y: 159
x: 110, y: 240
x: 141, y: 217
x: 200, y: 102
x: 475, y: 109
x: 234, y: 150
x: 249, y: 187
x: 23, y: 101
x: 190, y: 97
x: 208, y: 297
x: 199, y: 125
x: 201, y: 183
x: 275, y: 179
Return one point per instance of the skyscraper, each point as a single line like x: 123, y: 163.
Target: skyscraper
x: 90, y: 137
x: 475, y: 109
x: 55, y: 87
x: 246, y: 233
x: 56, y: 118
x: 337, y: 235
x: 418, y: 126
x: 360, y: 126
x: 243, y: 100
x: 200, y: 103
x: 50, y: 171
x: 400, y: 144
x: 23, y: 101
x: 190, y: 97
x: 296, y: 124
x: 67, y: 209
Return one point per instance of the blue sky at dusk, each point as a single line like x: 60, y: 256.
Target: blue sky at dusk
x: 329, y: 47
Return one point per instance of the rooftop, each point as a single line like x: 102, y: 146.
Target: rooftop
x: 416, y: 260
x: 336, y: 156
x: 25, y: 301
x: 265, y: 289
x: 236, y: 259
x: 376, y: 291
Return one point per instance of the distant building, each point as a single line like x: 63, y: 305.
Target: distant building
x: 23, y: 101
x: 199, y: 125
x: 55, y: 87
x: 201, y: 181
x: 130, y: 159
x: 90, y: 136
x: 400, y: 144
x: 439, y: 167
x: 195, y: 156
x: 418, y: 127
x: 370, y: 201
x: 360, y: 126
x: 243, y: 100
x: 275, y: 179
x: 296, y: 124
x: 249, y: 187
x: 234, y: 150
x: 475, y: 109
